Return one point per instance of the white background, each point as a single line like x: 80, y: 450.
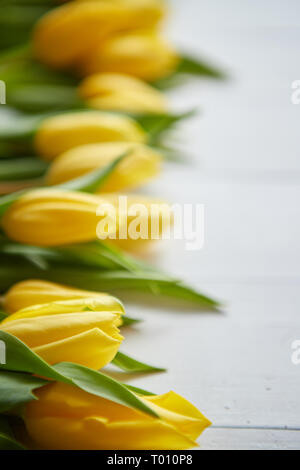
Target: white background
x: 244, y: 166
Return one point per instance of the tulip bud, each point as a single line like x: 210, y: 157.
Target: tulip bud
x: 50, y: 217
x: 78, y: 331
x: 62, y: 132
x: 65, y: 34
x: 117, y: 92
x: 65, y: 417
x: 34, y: 292
x: 143, y: 55
x: 140, y: 165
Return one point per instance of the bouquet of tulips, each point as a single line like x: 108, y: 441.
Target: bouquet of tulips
x: 85, y: 121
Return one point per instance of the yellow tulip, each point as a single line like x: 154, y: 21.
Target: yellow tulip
x: 34, y: 292
x: 142, y: 54
x: 52, y: 217
x: 117, y: 92
x: 79, y: 331
x: 142, y: 164
x: 65, y: 34
x: 49, y: 217
x: 61, y: 133
x: 65, y: 417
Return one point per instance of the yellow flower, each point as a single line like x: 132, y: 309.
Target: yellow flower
x: 33, y: 292
x: 65, y: 34
x: 60, y: 133
x: 142, y: 164
x: 79, y: 331
x: 65, y: 417
x: 52, y: 217
x: 117, y: 92
x: 143, y: 54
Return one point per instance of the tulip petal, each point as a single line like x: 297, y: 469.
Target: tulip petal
x: 33, y: 292
x: 62, y: 132
x: 95, y: 434
x: 113, y: 91
x: 91, y: 348
x: 179, y: 412
x: 142, y: 164
x: 41, y: 330
x: 104, y: 303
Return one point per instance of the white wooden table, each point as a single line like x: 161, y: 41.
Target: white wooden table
x: 236, y: 366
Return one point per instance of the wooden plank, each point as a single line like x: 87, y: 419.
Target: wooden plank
x: 252, y: 230
x: 236, y: 367
x: 247, y: 122
x: 249, y: 439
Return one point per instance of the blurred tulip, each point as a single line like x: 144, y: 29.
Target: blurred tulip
x: 65, y: 417
x: 140, y: 165
x: 117, y: 92
x: 50, y: 217
x: 60, y: 133
x: 34, y: 292
x: 67, y: 33
x: 79, y: 331
x: 142, y: 54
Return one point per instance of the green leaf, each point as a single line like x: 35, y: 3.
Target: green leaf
x: 190, y: 65
x: 16, y: 389
x: 100, y: 384
x: 91, y: 278
x: 18, y: 126
x: 139, y: 391
x: 20, y: 358
x: 2, y: 315
x: 27, y: 71
x: 43, y: 97
x: 7, y: 440
x: 93, y: 254
x: 5, y: 427
x: 14, y: 54
x: 21, y: 168
x: 112, y: 254
x: 87, y: 183
x: 151, y: 282
x: 156, y: 125
x: 128, y: 321
x: 8, y: 200
x: 128, y: 364
x: 94, y: 180
x: 17, y: 21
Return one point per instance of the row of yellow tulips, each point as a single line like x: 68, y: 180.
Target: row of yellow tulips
x: 62, y: 324
x: 116, y: 48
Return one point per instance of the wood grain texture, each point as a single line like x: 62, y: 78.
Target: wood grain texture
x: 244, y: 166
x: 250, y: 439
